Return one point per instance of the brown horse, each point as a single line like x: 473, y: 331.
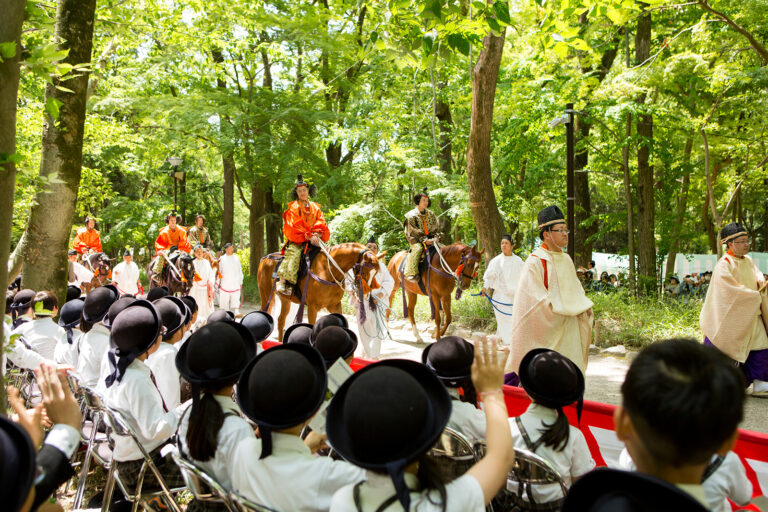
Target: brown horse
x: 463, y: 261
x: 98, y: 263
x: 322, y: 290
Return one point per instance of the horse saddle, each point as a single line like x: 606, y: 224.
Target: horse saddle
x: 426, y: 257
x: 304, y: 264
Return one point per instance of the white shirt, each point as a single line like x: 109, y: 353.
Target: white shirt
x: 467, y: 420
x: 126, y: 277
x: 231, y: 272
x: 291, y: 479
x: 163, y: 365
x: 204, y: 270
x: 17, y: 352
x: 65, y: 438
x: 93, y: 347
x: 42, y: 335
x: 573, y: 461
x: 66, y: 354
x: 234, y: 430
x: 462, y: 495
x: 137, y: 398
x: 728, y: 481
x: 502, y: 275
x: 82, y: 275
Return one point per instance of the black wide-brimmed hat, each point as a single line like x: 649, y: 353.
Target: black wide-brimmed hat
x: 328, y: 320
x: 98, y: 301
x: 731, y: 231
x: 219, y: 315
x: 17, y: 464
x: 551, y: 379
x: 22, y: 301
x: 259, y: 323
x: 281, y: 388
x: 69, y: 316
x: 115, y: 309
x: 335, y: 342
x: 386, y: 416
x: 157, y: 292
x: 133, y: 332
x: 451, y: 359
x: 549, y: 216
x: 73, y: 292
x: 191, y: 303
x: 298, y: 333
x: 172, y: 313
x: 614, y: 490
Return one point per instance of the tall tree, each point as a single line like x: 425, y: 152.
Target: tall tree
x: 51, y: 216
x: 228, y: 168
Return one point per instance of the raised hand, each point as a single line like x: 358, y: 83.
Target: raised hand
x: 30, y: 420
x: 59, y: 402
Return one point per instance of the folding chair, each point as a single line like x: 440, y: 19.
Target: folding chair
x: 453, y: 454
x: 204, y: 487
x: 243, y: 504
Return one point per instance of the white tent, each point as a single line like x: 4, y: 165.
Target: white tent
x: 699, y: 263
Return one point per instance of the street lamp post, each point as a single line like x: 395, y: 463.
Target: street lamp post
x: 570, y: 200
x: 175, y: 163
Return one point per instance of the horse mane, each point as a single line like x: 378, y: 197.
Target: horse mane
x: 454, y: 249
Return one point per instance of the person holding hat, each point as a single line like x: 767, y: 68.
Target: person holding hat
x: 303, y: 222
x: 281, y: 390
x: 390, y: 435
x: 211, y: 429
x: 65, y: 352
x: 501, y: 276
x: 173, y: 315
x: 93, y: 345
x: 451, y: 359
x: 231, y: 283
x: 198, y: 234
x: 550, y: 308
x: 125, y: 275
x: 552, y: 381
x: 77, y: 274
x: 734, y: 317
x: 87, y: 240
x: 373, y: 328
x: 170, y: 237
x: 42, y: 334
x: 335, y: 343
x: 202, y: 286
x: 421, y: 227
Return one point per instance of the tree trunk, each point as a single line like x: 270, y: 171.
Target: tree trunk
x: 482, y: 201
x: 274, y: 222
x: 583, y: 203
x: 681, y: 206
x: 256, y: 228
x: 645, y: 200
x: 228, y: 168
x: 50, y: 219
x: 765, y: 219
x: 443, y: 114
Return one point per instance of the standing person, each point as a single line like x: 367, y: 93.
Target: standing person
x: 202, y: 286
x: 421, y: 227
x: 198, y: 234
x: 501, y: 276
x: 231, y: 284
x: 735, y: 312
x: 550, y: 309
x: 170, y: 236
x: 76, y: 273
x: 303, y: 222
x: 87, y: 239
x: 125, y: 275
x: 373, y: 329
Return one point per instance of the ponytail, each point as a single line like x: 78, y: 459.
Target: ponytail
x: 469, y: 394
x: 432, y: 479
x: 203, y: 428
x: 556, y: 434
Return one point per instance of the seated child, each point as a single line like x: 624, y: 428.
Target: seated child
x: 65, y: 352
x: 162, y: 362
x: 335, y: 342
x: 260, y: 324
x: 93, y: 345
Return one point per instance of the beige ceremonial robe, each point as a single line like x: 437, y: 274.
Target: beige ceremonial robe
x: 734, y: 314
x: 555, y: 314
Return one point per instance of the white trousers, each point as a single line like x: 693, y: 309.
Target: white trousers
x: 230, y: 300
x: 204, y: 305
x: 369, y: 335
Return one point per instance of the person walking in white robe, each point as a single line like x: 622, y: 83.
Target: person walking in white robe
x: 501, y: 276
x: 202, y: 286
x: 125, y: 275
x: 231, y: 284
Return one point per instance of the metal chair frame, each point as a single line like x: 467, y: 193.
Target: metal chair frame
x: 243, y: 504
x: 201, y: 484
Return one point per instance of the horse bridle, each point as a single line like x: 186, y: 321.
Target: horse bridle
x: 465, y: 258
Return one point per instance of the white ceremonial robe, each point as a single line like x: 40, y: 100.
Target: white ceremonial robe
x: 82, y: 275
x: 371, y: 332
x: 199, y: 290
x: 231, y: 282
x: 126, y: 278
x: 502, y: 276
x: 555, y: 315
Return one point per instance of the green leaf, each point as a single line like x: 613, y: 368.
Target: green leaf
x: 579, y: 44
x: 52, y: 107
x: 501, y: 10
x: 617, y: 16
x: 561, y: 49
x: 459, y: 42
x: 427, y: 43
x: 432, y: 10
x: 8, y: 50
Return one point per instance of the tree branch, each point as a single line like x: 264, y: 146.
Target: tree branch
x: 761, y: 51
x: 240, y: 190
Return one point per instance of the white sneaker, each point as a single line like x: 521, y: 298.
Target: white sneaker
x: 760, y: 389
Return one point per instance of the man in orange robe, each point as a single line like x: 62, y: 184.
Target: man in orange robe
x: 87, y: 239
x: 171, y: 235
x: 303, y: 222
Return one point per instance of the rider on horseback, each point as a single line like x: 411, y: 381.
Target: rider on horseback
x: 87, y: 239
x: 421, y: 228
x: 198, y: 234
x: 303, y: 222
x: 171, y: 237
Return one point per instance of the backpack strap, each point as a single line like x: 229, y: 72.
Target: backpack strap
x: 356, y: 494
x: 712, y: 467
x: 526, y: 439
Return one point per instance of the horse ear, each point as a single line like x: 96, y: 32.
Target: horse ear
x: 381, y: 254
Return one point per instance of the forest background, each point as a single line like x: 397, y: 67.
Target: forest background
x: 372, y: 101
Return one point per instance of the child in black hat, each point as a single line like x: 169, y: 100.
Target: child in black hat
x: 451, y: 359
x: 335, y: 343
x: 42, y: 334
x: 18, y: 353
x: 211, y: 429
x: 173, y: 314
x: 21, y: 307
x: 65, y: 352
x: 299, y: 333
x: 388, y: 415
x: 130, y: 387
x: 94, y: 344
x: 260, y: 324
x: 281, y: 390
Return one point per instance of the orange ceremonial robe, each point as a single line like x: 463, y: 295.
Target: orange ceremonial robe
x: 168, y: 238
x: 85, y: 240
x: 301, y: 222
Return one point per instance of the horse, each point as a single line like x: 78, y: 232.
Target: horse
x: 325, y: 288
x: 178, y: 280
x: 98, y: 263
x: 463, y: 261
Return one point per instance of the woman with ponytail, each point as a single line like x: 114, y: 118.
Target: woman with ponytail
x: 211, y: 428
x: 552, y: 381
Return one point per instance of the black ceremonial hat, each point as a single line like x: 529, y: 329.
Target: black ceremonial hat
x: 731, y: 231
x: 549, y: 216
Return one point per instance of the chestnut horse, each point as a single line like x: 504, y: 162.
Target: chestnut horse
x: 463, y: 261
x: 98, y: 263
x: 322, y: 289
